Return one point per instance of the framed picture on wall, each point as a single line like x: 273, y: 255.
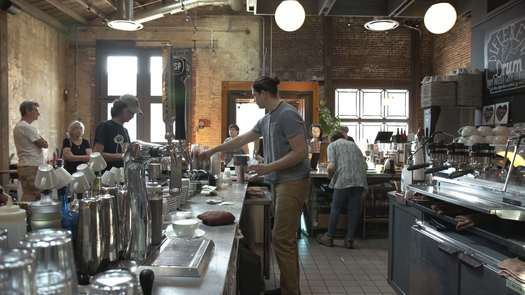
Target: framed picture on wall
x: 501, y: 113
x: 487, y: 117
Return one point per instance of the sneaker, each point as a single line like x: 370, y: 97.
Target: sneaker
x: 325, y: 240
x: 273, y: 292
x: 349, y: 244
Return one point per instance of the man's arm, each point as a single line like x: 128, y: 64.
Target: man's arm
x: 298, y: 153
x: 107, y: 156
x: 330, y: 169
x: 41, y: 143
x: 233, y: 144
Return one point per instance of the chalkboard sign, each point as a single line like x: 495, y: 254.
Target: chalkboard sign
x: 505, y: 58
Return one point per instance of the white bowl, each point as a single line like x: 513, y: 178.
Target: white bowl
x: 179, y: 215
x: 185, y: 228
x: 501, y: 131
x: 485, y: 131
x: 468, y: 131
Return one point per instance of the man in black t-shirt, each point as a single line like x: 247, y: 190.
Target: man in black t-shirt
x: 111, y: 135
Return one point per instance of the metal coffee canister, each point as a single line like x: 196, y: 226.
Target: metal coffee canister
x: 55, y: 265
x: 109, y: 227
x: 17, y: 272
x: 45, y: 213
x: 88, y: 246
x: 154, y: 191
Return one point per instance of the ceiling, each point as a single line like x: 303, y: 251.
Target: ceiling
x: 62, y: 13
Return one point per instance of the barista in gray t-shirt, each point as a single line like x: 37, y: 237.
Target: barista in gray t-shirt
x: 286, y: 167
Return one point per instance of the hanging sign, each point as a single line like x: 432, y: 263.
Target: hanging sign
x: 505, y: 58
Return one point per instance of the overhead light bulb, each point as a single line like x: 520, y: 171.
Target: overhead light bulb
x: 125, y: 25
x: 290, y: 15
x: 440, y: 18
x: 381, y: 25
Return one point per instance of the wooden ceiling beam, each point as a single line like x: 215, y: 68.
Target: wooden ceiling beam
x: 92, y: 9
x: 68, y: 11
x: 39, y: 14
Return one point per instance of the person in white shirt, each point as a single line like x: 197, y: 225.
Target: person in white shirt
x: 29, y: 145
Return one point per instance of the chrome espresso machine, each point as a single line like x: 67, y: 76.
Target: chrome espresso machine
x: 467, y: 221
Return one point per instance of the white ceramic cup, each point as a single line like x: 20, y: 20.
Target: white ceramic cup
x: 468, y: 131
x: 63, y: 177
x: 117, y: 172
x: 500, y: 139
x: 45, y: 178
x: 461, y: 139
x: 97, y: 162
x: 80, y: 183
x: 474, y: 139
x: 179, y: 215
x: 109, y: 179
x: 88, y: 172
x: 489, y: 139
x: 501, y: 131
x: 185, y: 228
x: 484, y: 131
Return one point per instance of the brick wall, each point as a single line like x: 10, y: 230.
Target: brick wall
x: 36, y: 71
x: 452, y: 49
x: 236, y: 57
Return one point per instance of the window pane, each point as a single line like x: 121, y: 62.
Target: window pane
x: 346, y: 103
x: 371, y: 103
x: 369, y: 131
x: 157, y: 126
x: 395, y: 126
x: 247, y: 115
x: 155, y: 70
x: 131, y: 126
x: 396, y: 102
x: 353, y: 130
x: 122, y: 75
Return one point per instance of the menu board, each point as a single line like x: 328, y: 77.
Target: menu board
x: 505, y: 58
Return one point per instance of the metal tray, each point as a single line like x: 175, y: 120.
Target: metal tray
x: 180, y: 258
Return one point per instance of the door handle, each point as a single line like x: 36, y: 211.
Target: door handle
x: 450, y: 250
x: 470, y: 261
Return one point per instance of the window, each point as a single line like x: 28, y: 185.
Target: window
x: 136, y: 71
x: 368, y: 111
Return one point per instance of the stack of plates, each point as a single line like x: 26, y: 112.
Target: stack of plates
x: 185, y: 189
x: 172, y: 202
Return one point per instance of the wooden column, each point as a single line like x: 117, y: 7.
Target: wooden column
x: 4, y: 101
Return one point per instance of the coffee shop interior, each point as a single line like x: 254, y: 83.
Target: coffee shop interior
x: 262, y: 147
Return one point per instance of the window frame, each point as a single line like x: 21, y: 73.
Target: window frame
x: 384, y: 119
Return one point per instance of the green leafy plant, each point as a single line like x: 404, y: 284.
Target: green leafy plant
x: 328, y: 122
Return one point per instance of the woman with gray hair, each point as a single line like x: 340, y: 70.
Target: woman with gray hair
x: 75, y: 149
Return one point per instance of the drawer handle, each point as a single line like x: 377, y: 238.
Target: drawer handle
x: 448, y: 249
x: 470, y: 261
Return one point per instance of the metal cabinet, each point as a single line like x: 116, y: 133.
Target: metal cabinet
x: 402, y: 218
x: 482, y: 280
x: 434, y: 268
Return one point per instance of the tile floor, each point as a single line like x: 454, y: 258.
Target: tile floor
x: 338, y: 270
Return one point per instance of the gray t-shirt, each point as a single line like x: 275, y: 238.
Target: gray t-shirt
x: 276, y: 128
x: 350, y: 164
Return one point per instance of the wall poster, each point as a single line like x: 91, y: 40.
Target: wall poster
x: 505, y: 57
x: 487, y: 115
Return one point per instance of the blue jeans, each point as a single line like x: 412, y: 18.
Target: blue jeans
x: 351, y: 197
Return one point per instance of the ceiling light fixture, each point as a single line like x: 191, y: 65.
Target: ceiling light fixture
x: 126, y: 22
x: 440, y: 18
x: 381, y: 25
x: 290, y: 15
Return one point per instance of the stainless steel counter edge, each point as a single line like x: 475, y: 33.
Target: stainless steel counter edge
x: 214, y: 278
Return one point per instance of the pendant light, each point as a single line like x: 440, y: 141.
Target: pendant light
x: 289, y: 15
x: 381, y: 25
x: 440, y: 18
x: 125, y: 21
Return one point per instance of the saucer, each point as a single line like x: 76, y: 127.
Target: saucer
x: 198, y: 233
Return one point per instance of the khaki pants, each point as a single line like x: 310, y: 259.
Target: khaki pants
x: 289, y: 198
x: 26, y: 175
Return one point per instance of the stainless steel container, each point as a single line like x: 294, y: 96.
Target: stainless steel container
x: 124, y: 222
x: 155, y: 204
x: 115, y: 282
x: 17, y: 272
x: 88, y: 246
x: 45, y: 213
x: 109, y: 227
x: 55, y: 265
x: 154, y: 172
x: 3, y: 239
x: 241, y: 164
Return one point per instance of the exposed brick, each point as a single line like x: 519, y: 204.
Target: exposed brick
x: 452, y: 49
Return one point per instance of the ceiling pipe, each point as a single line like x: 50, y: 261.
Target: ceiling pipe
x: 181, y: 6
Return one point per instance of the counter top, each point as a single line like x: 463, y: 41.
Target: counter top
x: 371, y: 174
x: 214, y: 279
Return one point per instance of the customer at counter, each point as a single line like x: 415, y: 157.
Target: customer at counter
x: 233, y: 131
x: 75, y: 148
x: 111, y: 135
x: 286, y: 168
x: 29, y: 147
x: 347, y: 170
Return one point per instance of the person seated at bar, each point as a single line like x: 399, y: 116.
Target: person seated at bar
x: 314, y: 146
x: 75, y: 148
x: 233, y: 131
x: 347, y: 170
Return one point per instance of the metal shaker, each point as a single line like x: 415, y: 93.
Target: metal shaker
x: 124, y: 222
x: 55, y: 264
x: 89, y: 240
x: 109, y: 227
x: 17, y: 272
x: 241, y: 164
x: 155, y: 204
